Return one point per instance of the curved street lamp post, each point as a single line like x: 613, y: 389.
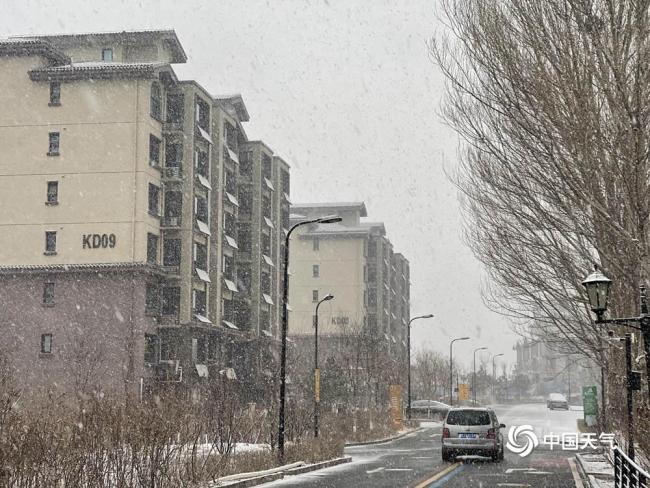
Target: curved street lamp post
x: 494, y: 373
x: 408, y: 354
x: 474, y: 376
x: 328, y: 297
x: 285, y: 316
x: 451, y: 369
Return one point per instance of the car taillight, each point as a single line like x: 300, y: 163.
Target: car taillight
x: 445, y: 433
x: 491, y: 434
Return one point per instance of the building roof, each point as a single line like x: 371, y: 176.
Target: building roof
x: 96, y: 69
x: 374, y: 226
x: 333, y: 205
x: 31, y: 47
x: 237, y: 103
x: 168, y: 36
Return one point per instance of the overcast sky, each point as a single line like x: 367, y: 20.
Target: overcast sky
x: 344, y: 90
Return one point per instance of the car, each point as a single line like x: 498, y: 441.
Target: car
x: 557, y: 400
x: 472, y: 431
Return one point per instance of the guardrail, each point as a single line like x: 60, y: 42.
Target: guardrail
x: 627, y: 473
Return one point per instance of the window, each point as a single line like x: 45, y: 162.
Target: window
x: 150, y: 349
x: 46, y: 343
x: 154, y: 199
x: 198, y: 301
x: 48, y: 293
x: 173, y: 154
x: 55, y: 94
x: 52, y: 192
x: 107, y: 54
x: 246, y: 163
x: 315, y: 270
x: 154, y: 150
x: 314, y: 295
x: 201, y: 209
x: 152, y: 248
x: 171, y: 252
x: 316, y: 244
x: 50, y: 242
x: 53, y: 149
x: 202, y: 163
x: 175, y: 109
x: 155, y: 102
x: 171, y: 299
x: 203, y: 115
x: 152, y: 299
x: 200, y: 256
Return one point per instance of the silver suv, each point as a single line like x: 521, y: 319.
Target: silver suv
x: 474, y: 431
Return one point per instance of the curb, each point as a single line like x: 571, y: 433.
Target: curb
x: 589, y: 477
x: 259, y: 480
x: 317, y: 466
x: 382, y: 441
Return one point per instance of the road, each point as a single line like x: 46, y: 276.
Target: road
x: 415, y: 460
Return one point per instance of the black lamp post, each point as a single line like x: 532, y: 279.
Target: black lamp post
x: 328, y: 297
x: 408, y: 355
x: 285, y: 319
x: 474, y: 375
x: 451, y: 368
x: 598, y: 288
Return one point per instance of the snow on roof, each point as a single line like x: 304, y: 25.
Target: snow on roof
x: 361, y: 206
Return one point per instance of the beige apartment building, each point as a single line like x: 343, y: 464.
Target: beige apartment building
x: 140, y: 227
x: 354, y: 261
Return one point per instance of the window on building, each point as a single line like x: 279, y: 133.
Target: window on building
x: 316, y: 244
x: 52, y: 192
x: 152, y: 299
x: 154, y: 150
x: 202, y: 162
x: 150, y: 349
x: 228, y: 267
x: 246, y: 163
x: 173, y: 154
x: 314, y: 295
x: 266, y: 244
x: 230, y: 182
x: 199, y: 301
x: 203, y: 115
x: 107, y: 54
x: 229, y: 224
x: 201, y: 209
x: 50, y: 242
x: 154, y: 200
x: 155, y: 101
x: 46, y: 343
x: 168, y: 345
x: 48, y: 293
x: 265, y: 282
x: 173, y: 204
x: 200, y: 256
x: 152, y: 248
x: 54, y: 143
x: 175, y: 109
x: 171, y: 299
x: 55, y: 94
x: 230, y: 134
x: 267, y: 166
x: 315, y: 271
x: 228, y: 310
x: 171, y: 252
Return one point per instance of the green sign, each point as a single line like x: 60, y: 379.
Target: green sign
x: 590, y: 401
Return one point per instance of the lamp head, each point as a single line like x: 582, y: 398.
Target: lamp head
x: 329, y: 219
x: 327, y: 297
x: 598, y: 286
x: 428, y: 316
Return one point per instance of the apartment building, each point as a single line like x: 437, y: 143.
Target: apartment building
x: 354, y: 261
x: 122, y: 255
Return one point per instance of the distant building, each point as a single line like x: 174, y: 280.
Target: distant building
x: 141, y: 229
x: 354, y: 261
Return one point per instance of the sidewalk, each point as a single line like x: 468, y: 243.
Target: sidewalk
x: 596, y: 469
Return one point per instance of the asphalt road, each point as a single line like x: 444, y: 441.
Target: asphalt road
x: 415, y: 460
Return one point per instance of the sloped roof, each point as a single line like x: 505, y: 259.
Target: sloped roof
x: 31, y: 47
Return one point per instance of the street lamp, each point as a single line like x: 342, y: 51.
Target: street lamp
x: 494, y: 373
x: 474, y: 377
x: 408, y: 354
x: 330, y: 219
x: 328, y: 297
x: 598, y: 287
x: 451, y: 369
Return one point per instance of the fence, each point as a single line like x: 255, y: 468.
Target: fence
x: 628, y: 474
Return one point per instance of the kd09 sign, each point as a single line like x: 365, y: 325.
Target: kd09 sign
x: 98, y: 241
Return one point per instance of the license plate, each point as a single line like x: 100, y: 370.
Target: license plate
x: 465, y: 435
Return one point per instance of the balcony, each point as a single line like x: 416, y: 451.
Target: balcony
x: 173, y: 172
x: 171, y: 222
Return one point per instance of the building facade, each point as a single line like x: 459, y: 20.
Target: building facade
x: 140, y: 227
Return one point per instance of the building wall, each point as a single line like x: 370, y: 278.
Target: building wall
x: 341, y: 264
x: 97, y: 324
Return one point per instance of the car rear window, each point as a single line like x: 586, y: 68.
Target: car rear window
x: 469, y: 417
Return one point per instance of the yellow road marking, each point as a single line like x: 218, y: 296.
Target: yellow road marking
x: 438, y: 475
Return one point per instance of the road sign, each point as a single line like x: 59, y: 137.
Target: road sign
x: 463, y: 391
x: 590, y: 404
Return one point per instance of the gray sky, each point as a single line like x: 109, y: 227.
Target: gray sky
x: 344, y: 90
